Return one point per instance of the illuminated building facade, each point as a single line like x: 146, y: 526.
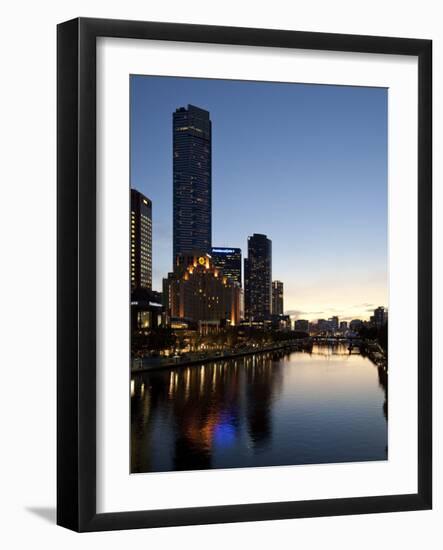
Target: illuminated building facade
x: 141, y: 241
x: 277, y: 298
x: 258, y: 278
x: 229, y: 261
x: 192, y: 180
x: 199, y: 292
x: 146, y: 310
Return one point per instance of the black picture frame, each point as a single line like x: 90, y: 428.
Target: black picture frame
x: 76, y: 281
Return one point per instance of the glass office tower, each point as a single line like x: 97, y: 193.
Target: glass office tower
x: 258, y: 278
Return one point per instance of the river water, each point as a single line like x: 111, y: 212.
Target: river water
x: 263, y: 410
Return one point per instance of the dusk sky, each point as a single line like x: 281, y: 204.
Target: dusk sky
x: 304, y: 164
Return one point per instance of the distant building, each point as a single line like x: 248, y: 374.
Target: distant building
x: 333, y: 323
x: 258, y: 278
x: 355, y: 324
x: 323, y: 325
x: 380, y: 317
x: 343, y: 326
x: 277, y: 298
x: 229, y: 261
x: 141, y: 241
x: 302, y: 325
x: 192, y: 180
x: 197, y: 291
x: 280, y: 322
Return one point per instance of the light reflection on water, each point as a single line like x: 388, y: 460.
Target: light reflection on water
x: 264, y: 410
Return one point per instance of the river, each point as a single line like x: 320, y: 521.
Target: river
x: 262, y: 410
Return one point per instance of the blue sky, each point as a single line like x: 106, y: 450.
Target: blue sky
x: 304, y: 164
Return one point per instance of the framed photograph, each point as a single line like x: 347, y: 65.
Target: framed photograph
x: 244, y: 269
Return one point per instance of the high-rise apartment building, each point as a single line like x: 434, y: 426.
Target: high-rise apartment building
x: 141, y: 241
x: 277, y: 298
x: 192, y: 180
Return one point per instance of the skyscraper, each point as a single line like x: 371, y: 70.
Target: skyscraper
x: 192, y: 180
x: 141, y: 241
x: 277, y: 298
x: 380, y: 317
x: 229, y: 261
x: 258, y: 278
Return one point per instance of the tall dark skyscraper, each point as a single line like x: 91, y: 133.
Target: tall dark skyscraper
x: 141, y: 241
x: 258, y: 278
x: 277, y: 297
x: 229, y: 261
x: 192, y: 180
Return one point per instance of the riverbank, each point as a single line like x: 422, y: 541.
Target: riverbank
x: 375, y: 352
x: 148, y: 364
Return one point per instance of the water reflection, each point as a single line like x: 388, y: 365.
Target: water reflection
x: 325, y: 406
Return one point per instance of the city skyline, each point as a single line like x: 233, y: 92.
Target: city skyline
x: 351, y: 281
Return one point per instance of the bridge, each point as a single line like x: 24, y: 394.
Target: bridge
x: 322, y: 339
